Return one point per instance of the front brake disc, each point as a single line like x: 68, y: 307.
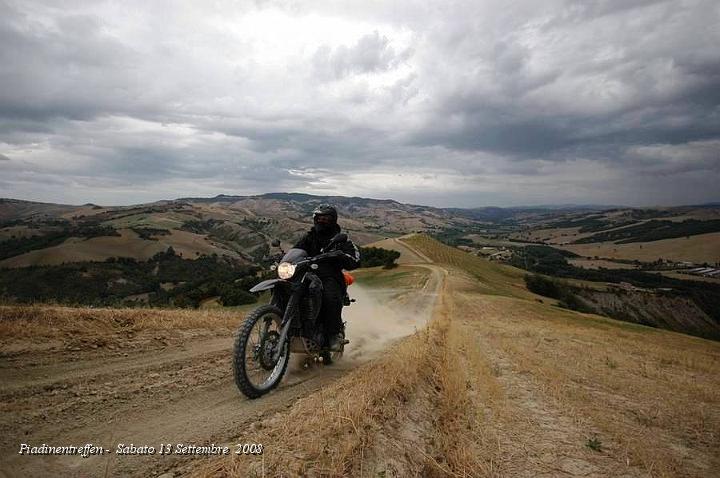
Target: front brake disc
x: 267, y: 349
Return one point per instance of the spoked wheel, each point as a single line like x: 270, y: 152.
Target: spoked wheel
x: 256, y: 372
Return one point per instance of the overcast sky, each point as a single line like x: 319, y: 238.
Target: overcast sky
x: 446, y: 103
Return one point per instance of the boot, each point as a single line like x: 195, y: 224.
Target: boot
x: 337, y: 341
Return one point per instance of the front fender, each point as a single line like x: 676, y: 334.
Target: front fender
x: 265, y: 285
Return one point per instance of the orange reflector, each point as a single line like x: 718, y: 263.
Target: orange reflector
x: 348, y: 278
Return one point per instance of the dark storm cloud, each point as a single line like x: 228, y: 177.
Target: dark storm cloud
x: 460, y: 104
x: 64, y: 68
x: 516, y: 110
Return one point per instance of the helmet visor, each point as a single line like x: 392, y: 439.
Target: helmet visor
x: 323, y: 219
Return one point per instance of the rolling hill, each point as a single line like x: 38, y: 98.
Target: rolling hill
x: 193, y: 251
x: 240, y: 227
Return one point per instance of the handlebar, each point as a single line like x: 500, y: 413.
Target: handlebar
x: 326, y: 255
x: 315, y: 259
x: 319, y: 258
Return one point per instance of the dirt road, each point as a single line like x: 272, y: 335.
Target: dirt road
x: 408, y: 254
x: 180, y: 393
x: 163, y: 387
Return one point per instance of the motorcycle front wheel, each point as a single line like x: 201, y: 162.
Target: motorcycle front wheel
x: 256, y: 373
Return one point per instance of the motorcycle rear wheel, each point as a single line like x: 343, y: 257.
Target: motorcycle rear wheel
x: 253, y: 376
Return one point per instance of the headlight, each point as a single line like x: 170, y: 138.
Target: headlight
x: 286, y: 270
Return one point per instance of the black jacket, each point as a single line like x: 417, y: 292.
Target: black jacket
x: 313, y: 242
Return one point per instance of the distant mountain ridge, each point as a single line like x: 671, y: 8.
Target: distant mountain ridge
x: 242, y: 227
x: 234, y: 226
x: 486, y: 212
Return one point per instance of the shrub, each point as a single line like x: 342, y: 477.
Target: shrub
x: 232, y: 295
x: 594, y: 443
x: 542, y: 285
x: 377, y: 256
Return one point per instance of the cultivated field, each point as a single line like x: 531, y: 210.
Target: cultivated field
x: 600, y: 263
x: 699, y: 249
x: 127, y: 244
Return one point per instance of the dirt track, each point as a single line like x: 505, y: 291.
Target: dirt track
x: 172, y: 387
x: 183, y: 392
x: 408, y: 254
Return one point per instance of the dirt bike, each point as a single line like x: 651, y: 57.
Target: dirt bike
x: 288, y: 324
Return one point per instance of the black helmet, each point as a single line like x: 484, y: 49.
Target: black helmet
x: 325, y: 210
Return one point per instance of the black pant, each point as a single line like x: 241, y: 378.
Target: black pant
x: 332, y: 304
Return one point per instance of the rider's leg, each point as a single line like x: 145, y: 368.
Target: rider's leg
x: 331, y: 310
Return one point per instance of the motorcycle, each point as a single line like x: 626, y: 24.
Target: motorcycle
x: 288, y: 324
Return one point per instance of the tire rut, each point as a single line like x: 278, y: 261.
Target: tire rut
x: 166, y: 402
x: 18, y: 374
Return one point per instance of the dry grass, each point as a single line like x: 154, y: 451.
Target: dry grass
x: 499, y: 385
x: 405, y: 277
x: 457, y: 422
x: 42, y: 321
x: 336, y: 431
x: 653, y: 396
x: 407, y: 256
x: 489, y: 277
x: 550, y: 380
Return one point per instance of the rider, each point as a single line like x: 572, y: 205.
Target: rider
x: 325, y: 226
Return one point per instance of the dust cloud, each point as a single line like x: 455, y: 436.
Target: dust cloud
x: 380, y: 316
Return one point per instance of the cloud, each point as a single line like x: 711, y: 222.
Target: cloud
x: 464, y: 104
x: 372, y: 53
x: 674, y: 160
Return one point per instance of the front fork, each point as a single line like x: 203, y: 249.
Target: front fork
x: 292, y: 304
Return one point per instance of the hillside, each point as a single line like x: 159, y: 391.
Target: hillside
x: 101, y: 255
x: 675, y: 234
x: 501, y: 382
x: 239, y: 227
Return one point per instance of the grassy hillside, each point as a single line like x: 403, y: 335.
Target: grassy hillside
x: 240, y: 227
x: 640, y: 395
x: 491, y: 277
x: 678, y: 234
x: 51, y: 246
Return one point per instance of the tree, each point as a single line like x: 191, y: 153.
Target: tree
x: 377, y: 256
